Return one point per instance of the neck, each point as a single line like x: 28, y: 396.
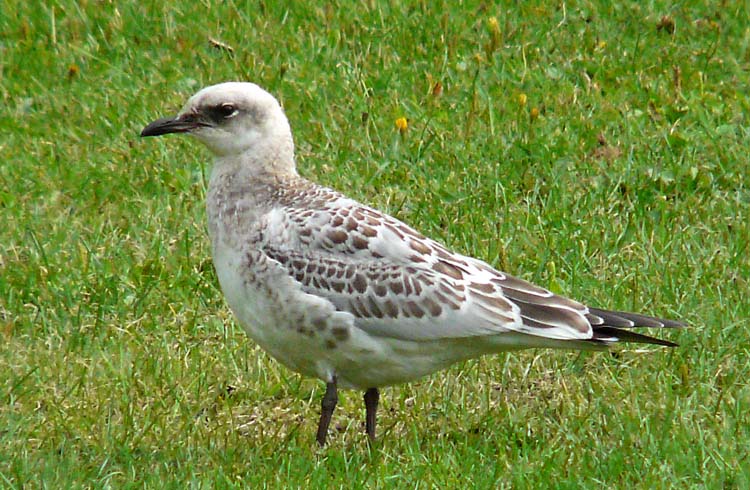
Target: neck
x: 272, y: 158
x: 243, y: 187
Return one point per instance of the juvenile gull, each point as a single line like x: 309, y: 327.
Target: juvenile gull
x: 340, y: 291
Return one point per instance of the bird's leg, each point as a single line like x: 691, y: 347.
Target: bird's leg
x: 371, y: 410
x: 330, y: 399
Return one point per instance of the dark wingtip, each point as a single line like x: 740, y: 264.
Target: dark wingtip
x: 602, y: 333
x: 614, y: 326
x: 623, y: 319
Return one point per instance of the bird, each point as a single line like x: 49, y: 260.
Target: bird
x: 338, y: 290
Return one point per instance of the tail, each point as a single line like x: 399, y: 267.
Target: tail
x: 613, y: 326
x: 545, y: 313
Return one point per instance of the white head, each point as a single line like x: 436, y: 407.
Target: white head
x: 234, y: 119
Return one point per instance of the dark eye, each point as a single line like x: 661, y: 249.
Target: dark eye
x: 226, y: 110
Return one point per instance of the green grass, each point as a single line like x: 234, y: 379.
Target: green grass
x: 121, y: 365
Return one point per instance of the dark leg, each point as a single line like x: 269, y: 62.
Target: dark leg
x: 330, y: 399
x: 371, y: 410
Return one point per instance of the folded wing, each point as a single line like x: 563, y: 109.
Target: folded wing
x: 401, y: 284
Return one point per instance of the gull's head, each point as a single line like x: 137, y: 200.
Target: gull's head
x: 231, y: 119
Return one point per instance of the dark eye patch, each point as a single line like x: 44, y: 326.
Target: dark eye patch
x: 219, y: 113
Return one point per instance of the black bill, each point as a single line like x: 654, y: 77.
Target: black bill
x: 175, y: 124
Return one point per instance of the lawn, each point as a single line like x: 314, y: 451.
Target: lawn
x: 599, y: 150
